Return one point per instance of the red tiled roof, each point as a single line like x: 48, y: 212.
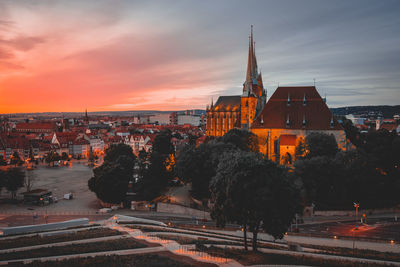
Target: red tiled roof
x: 81, y: 141
x: 389, y: 126
x: 228, y: 103
x: 287, y: 140
x: 315, y: 111
x: 35, y: 125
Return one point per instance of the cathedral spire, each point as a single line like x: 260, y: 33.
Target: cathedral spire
x: 255, y: 67
x: 250, y: 68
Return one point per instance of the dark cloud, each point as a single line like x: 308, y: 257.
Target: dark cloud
x: 352, y: 48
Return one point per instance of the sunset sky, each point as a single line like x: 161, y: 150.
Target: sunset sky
x: 175, y: 55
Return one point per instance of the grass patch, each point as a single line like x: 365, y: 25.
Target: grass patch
x: 45, y: 231
x: 151, y: 260
x: 357, y: 253
x: 126, y: 243
x: 253, y: 258
x: 38, y: 240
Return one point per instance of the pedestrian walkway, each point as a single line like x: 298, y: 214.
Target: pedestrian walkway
x: 173, y: 246
x: 336, y: 242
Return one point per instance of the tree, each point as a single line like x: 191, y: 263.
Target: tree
x: 155, y: 178
x: 64, y: 156
x: 320, y: 176
x: 111, y: 179
x: 320, y: 144
x: 117, y: 150
x: 198, y: 165
x: 162, y: 143
x: 192, y: 139
x: 242, y: 139
x: 15, y: 159
x: 255, y: 193
x: 352, y: 132
x: 14, y: 180
x: 300, y: 149
x: 143, y: 155
x: 51, y: 157
x: 2, y: 179
x: 2, y: 161
x: 31, y: 156
x: 110, y: 182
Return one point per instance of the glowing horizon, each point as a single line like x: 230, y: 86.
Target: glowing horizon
x: 66, y: 56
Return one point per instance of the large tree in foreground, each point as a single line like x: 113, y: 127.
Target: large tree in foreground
x: 155, y: 178
x: 320, y: 144
x: 111, y: 179
x: 254, y: 192
x: 242, y: 139
x: 198, y: 165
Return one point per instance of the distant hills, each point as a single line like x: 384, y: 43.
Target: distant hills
x: 125, y: 113
x: 385, y: 111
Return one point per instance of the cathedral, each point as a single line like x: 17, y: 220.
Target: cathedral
x: 238, y: 111
x: 280, y: 124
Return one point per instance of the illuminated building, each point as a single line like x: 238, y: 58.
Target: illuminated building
x: 289, y: 116
x: 281, y: 124
x: 238, y: 111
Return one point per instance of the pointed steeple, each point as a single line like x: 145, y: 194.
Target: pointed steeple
x: 249, y: 73
x: 255, y: 67
x: 86, y: 116
x: 252, y: 70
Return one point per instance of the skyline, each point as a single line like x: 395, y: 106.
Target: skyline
x: 63, y: 56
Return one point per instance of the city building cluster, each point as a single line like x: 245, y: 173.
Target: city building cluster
x: 81, y: 136
x: 280, y: 124
x: 373, y: 120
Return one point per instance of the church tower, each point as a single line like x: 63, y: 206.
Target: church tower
x: 238, y: 111
x: 253, y: 97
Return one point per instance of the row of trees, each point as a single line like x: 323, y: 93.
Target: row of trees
x: 225, y: 168
x: 245, y: 188
x: 369, y: 174
x: 50, y: 158
x: 154, y: 172
x: 159, y: 169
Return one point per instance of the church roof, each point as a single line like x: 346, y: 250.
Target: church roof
x: 227, y: 103
x: 296, y: 108
x: 287, y: 140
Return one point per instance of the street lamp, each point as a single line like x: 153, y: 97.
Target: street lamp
x: 356, y: 205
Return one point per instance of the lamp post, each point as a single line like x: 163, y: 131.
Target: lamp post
x: 356, y: 205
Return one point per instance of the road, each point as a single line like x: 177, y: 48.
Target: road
x: 376, y: 229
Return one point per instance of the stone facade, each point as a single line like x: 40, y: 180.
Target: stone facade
x: 238, y: 111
